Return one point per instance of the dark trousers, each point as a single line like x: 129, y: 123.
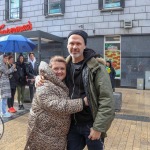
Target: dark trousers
x: 10, y: 101
x: 78, y: 139
x: 32, y: 91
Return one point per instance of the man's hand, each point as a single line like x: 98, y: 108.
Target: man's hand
x: 39, y: 80
x: 86, y: 101
x: 94, y: 135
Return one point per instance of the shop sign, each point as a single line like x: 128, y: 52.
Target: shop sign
x: 16, y: 29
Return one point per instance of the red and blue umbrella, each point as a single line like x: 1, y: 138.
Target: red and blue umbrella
x: 16, y: 43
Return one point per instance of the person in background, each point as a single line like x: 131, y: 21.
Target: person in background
x: 32, y: 72
x: 21, y: 81
x: 13, y: 84
x: 112, y: 73
x: 49, y: 118
x: 5, y: 91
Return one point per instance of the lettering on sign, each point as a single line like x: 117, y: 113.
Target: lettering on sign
x: 22, y: 28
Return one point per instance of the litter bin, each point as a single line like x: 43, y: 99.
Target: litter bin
x: 140, y: 83
x: 118, y: 100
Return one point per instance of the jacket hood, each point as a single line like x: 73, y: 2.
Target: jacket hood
x: 101, y: 60
x: 48, y: 74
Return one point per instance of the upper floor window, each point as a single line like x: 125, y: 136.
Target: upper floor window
x: 13, y: 10
x: 54, y: 7
x: 111, y: 4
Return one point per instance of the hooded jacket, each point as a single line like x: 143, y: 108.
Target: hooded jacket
x: 49, y: 118
x: 97, y: 87
x: 5, y: 91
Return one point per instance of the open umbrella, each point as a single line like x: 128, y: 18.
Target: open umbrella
x: 15, y: 43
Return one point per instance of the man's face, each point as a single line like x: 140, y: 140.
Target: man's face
x: 59, y: 69
x: 11, y: 61
x: 76, y: 46
x: 5, y: 59
x: 32, y: 57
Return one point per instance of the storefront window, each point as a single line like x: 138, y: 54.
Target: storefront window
x: 113, y: 53
x: 14, y: 9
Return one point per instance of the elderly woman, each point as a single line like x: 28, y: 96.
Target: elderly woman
x: 49, y: 118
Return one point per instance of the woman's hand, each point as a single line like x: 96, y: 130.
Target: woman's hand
x: 39, y: 80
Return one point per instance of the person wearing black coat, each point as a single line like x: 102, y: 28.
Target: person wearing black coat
x: 32, y: 72
x: 112, y: 74
x: 13, y: 84
x: 21, y: 82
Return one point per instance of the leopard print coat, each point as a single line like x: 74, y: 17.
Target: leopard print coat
x: 49, y: 118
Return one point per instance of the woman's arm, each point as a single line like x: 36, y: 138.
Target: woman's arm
x: 6, y: 71
x: 47, y: 98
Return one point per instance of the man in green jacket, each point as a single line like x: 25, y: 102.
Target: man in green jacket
x: 86, y: 77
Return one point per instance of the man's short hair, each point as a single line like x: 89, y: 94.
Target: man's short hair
x: 31, y: 53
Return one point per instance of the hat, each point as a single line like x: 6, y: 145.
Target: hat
x: 82, y: 33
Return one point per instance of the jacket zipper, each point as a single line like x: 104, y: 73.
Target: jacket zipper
x: 74, y: 116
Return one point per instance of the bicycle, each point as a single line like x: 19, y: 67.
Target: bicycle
x: 1, y: 127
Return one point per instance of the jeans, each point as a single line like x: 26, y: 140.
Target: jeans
x: 3, y: 104
x: 78, y: 138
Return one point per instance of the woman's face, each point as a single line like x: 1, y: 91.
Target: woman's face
x: 59, y: 69
x: 21, y: 59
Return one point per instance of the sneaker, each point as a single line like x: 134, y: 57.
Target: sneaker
x: 7, y: 115
x: 13, y: 109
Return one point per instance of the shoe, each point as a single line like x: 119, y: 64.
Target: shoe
x: 13, y: 109
x: 6, y: 115
x: 19, y: 107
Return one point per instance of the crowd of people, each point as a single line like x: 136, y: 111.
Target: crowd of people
x: 15, y: 76
x: 73, y: 104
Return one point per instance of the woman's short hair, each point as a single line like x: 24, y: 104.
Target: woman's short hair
x: 57, y: 59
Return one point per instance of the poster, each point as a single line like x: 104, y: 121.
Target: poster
x: 112, y: 53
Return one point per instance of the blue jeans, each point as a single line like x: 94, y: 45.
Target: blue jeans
x: 78, y: 138
x: 3, y: 104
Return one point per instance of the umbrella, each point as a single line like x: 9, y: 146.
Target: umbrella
x: 15, y: 43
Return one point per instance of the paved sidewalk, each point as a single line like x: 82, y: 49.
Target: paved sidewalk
x: 129, y: 131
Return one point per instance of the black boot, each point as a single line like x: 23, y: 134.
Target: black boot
x: 19, y: 107
x: 22, y: 107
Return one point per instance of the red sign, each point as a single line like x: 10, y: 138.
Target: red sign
x: 22, y: 28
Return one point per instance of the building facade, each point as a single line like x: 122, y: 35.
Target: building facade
x: 119, y: 30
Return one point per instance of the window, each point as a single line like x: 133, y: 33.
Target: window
x: 112, y: 52
x: 111, y: 4
x: 13, y: 10
x: 54, y: 7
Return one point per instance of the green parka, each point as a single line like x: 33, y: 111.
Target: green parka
x: 98, y: 90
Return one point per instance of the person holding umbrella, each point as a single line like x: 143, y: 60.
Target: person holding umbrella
x: 21, y: 82
x: 5, y: 91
